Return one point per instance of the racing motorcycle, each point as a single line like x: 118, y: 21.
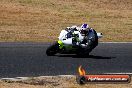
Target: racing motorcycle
x: 72, y: 44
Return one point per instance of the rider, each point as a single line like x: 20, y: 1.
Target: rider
x: 90, y: 36
x: 80, y: 35
x: 83, y: 36
x: 84, y: 30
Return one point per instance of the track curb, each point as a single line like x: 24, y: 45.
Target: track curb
x: 17, y: 79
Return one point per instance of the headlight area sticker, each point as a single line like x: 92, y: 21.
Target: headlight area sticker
x: 82, y: 78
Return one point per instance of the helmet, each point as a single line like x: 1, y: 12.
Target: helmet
x: 84, y: 26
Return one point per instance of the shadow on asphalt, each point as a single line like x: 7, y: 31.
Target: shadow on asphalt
x: 90, y: 56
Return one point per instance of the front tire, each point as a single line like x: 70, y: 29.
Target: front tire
x: 53, y: 49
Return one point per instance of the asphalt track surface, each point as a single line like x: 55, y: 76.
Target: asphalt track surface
x: 29, y: 59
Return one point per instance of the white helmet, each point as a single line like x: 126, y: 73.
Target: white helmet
x: 84, y: 26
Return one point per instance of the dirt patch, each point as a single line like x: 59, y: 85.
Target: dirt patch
x: 42, y: 20
x: 57, y: 82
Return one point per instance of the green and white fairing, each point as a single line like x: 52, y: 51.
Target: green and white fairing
x: 66, y: 43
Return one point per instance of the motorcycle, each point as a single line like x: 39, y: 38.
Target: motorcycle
x: 75, y: 43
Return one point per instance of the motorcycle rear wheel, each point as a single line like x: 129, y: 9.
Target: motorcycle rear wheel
x: 82, y: 52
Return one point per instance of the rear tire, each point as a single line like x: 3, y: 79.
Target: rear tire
x: 92, y: 41
x: 53, y: 49
x: 82, y: 52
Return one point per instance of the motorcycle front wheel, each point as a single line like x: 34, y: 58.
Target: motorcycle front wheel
x: 53, y: 49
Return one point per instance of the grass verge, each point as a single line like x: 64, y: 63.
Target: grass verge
x: 42, y: 20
